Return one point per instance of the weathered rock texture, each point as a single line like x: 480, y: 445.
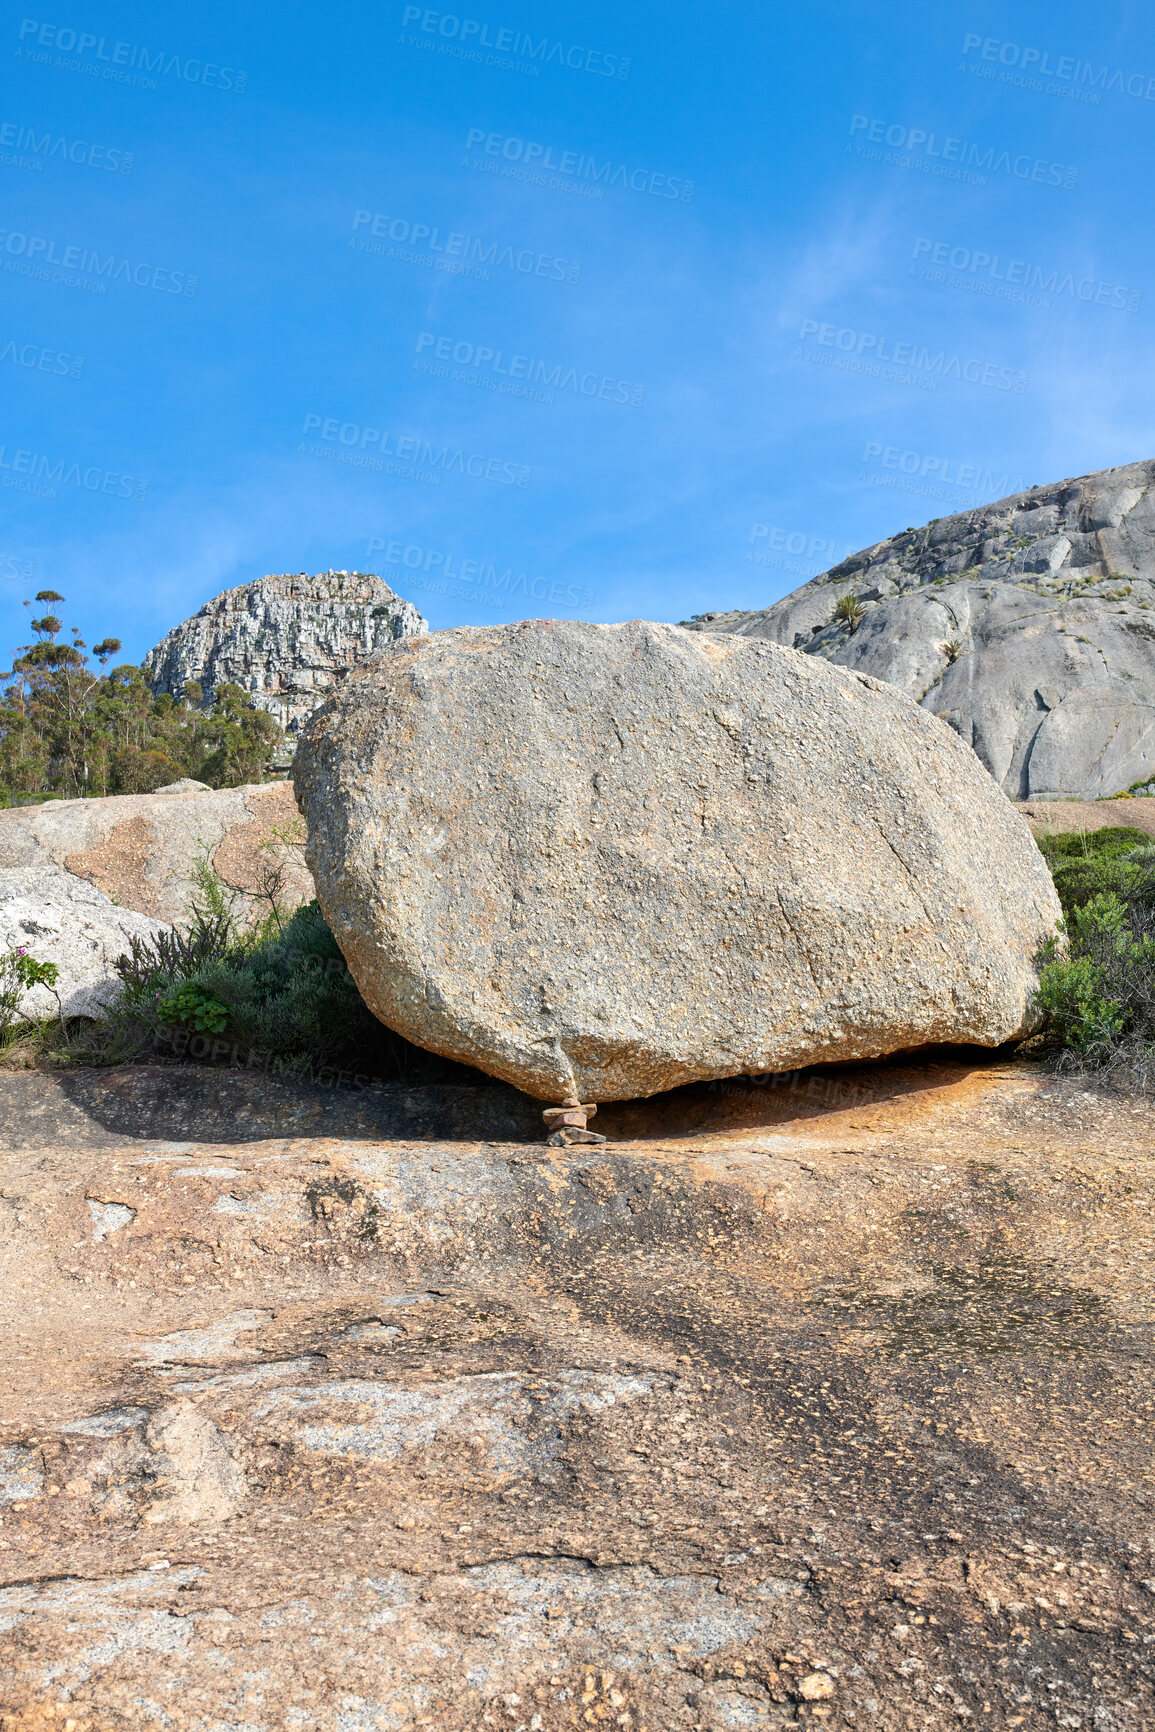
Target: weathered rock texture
x: 285, y: 640
x: 1028, y: 625
x: 613, y: 859
x: 59, y: 918
x: 831, y: 1391
x: 139, y: 848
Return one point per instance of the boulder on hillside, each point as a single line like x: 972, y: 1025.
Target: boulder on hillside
x: 286, y: 641
x: 139, y: 849
x: 62, y: 919
x: 1027, y: 625
x: 608, y: 860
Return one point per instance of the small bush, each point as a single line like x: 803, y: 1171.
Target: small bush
x: 1094, y: 863
x: 282, y: 995
x: 1104, y: 984
x: 1097, y: 977
x: 19, y: 972
x: 191, y: 1005
x: 292, y: 996
x: 153, y: 964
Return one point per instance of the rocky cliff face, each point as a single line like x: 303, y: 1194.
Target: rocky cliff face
x: 1028, y: 625
x: 285, y: 640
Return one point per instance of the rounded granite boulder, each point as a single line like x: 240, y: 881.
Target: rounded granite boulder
x: 608, y: 860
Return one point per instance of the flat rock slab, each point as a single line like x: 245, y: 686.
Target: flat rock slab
x: 825, y: 1399
x: 139, y: 849
x: 609, y: 860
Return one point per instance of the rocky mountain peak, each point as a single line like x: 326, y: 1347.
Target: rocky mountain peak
x: 1028, y: 625
x: 286, y: 640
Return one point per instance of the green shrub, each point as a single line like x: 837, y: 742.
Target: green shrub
x: 282, y: 996
x: 18, y: 973
x: 1086, y: 864
x: 291, y: 995
x: 191, y: 1005
x: 1097, y: 977
x: 1103, y: 985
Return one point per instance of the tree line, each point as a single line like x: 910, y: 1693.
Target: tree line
x: 71, y: 730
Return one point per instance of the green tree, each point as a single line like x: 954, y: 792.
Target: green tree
x: 69, y: 730
x: 240, y: 738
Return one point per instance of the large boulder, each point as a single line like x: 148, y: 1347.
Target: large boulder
x: 140, y: 849
x: 59, y: 918
x: 607, y: 860
x: 1028, y: 625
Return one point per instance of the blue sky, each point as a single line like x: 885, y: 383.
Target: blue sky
x: 553, y: 309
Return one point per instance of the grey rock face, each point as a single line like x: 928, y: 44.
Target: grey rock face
x: 607, y: 860
x: 285, y: 640
x: 60, y: 918
x: 1028, y: 625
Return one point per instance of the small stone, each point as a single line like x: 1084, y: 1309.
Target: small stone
x: 816, y: 1687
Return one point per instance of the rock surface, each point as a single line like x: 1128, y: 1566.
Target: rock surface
x: 139, y: 848
x: 60, y: 918
x: 284, y: 640
x: 1071, y: 816
x: 825, y: 1395
x: 608, y: 860
x: 1028, y: 625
